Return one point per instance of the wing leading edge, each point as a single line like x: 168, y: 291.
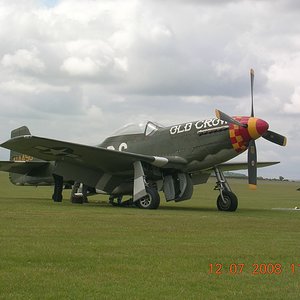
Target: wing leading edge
x: 106, y: 160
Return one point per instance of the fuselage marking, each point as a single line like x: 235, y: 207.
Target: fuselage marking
x: 199, y: 125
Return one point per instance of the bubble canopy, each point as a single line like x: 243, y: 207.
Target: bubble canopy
x: 147, y: 128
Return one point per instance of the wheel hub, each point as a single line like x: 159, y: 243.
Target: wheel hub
x: 146, y: 201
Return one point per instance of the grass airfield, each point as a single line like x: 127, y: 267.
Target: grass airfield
x: 187, y: 250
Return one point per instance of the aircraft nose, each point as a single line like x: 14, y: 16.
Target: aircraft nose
x: 257, y: 127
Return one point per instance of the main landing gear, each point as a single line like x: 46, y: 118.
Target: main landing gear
x: 79, y: 193
x: 150, y: 201
x: 58, y: 188
x: 227, y: 200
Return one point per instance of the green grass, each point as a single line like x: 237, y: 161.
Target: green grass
x: 94, y: 251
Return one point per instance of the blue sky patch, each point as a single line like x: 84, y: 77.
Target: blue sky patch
x: 49, y: 3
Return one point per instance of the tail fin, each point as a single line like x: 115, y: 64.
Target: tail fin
x: 20, y: 131
x: 30, y: 170
x: 16, y: 156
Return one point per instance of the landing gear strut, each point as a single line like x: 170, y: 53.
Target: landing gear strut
x: 79, y: 193
x: 144, y: 195
x: 58, y: 188
x: 227, y: 200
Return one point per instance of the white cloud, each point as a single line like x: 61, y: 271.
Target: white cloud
x: 70, y: 61
x: 30, y: 86
x: 294, y: 106
x: 24, y: 60
x: 94, y: 113
x: 195, y: 99
x: 80, y: 67
x: 285, y: 69
x: 13, y: 86
x: 121, y: 63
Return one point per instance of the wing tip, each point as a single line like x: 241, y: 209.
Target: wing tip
x: 284, y: 141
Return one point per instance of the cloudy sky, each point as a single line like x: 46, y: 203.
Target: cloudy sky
x: 78, y: 70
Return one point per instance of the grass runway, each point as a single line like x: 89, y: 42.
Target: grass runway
x: 187, y: 250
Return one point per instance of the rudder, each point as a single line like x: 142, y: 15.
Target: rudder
x: 18, y: 157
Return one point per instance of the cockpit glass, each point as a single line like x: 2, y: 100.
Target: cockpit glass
x: 150, y: 128
x: 138, y: 128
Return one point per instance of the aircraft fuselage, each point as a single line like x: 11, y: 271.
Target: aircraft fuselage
x: 201, y: 143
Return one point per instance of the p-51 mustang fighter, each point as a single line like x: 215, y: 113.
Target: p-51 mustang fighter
x: 143, y: 160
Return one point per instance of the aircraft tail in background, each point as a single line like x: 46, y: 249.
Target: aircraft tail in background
x: 16, y: 156
x: 24, y: 169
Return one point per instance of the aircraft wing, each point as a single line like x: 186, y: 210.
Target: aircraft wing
x: 21, y: 167
x: 107, y: 160
x: 202, y: 176
x: 244, y: 166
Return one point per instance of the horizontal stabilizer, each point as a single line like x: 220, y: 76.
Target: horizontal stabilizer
x: 244, y: 166
x: 20, y: 167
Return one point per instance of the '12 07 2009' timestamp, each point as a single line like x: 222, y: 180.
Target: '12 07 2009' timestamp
x: 254, y: 269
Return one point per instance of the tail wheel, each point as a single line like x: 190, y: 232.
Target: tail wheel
x: 229, y: 203
x: 151, y: 200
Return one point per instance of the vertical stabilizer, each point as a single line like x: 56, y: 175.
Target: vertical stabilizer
x: 20, y: 131
x: 16, y: 156
x: 19, y: 157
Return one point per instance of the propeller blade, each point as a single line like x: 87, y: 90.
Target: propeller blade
x: 275, y: 138
x: 222, y: 116
x: 252, y: 82
x: 252, y: 165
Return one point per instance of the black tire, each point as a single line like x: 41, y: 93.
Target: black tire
x: 56, y: 197
x: 230, y: 204
x: 77, y: 199
x: 151, y: 200
x: 118, y: 198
